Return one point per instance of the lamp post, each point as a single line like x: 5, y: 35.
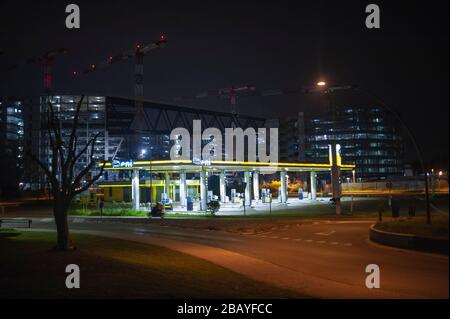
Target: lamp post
x: 405, y: 127
x: 416, y: 146
x: 142, y: 156
x: 151, y: 179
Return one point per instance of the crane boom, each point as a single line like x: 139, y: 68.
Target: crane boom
x: 46, y: 60
x: 126, y: 55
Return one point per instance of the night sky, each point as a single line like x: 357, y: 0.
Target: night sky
x: 269, y: 44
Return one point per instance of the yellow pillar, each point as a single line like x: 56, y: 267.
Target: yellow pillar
x: 154, y: 193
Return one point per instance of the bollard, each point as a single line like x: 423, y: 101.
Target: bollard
x: 380, y: 214
x: 412, y: 211
x: 395, y: 211
x: 270, y: 207
x: 351, y: 206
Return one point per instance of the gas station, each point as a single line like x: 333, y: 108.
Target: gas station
x: 184, y: 183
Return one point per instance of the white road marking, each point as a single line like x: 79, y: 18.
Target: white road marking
x: 321, y: 241
x: 352, y: 222
x: 326, y: 234
x: 298, y: 239
x: 285, y: 238
x: 308, y: 240
x: 334, y: 243
x: 348, y: 244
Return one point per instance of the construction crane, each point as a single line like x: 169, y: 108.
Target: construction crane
x: 46, y: 60
x: 230, y: 93
x: 140, y: 121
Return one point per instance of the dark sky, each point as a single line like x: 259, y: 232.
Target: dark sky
x: 269, y: 44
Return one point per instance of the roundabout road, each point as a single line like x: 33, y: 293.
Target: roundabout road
x: 319, y: 259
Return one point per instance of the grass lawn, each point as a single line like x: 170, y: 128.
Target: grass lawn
x: 417, y: 226
x: 107, y: 212
x: 362, y: 208
x: 112, y: 268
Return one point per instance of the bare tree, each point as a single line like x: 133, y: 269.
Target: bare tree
x: 61, y: 173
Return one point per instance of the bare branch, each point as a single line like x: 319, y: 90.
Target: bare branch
x: 41, y: 165
x: 88, y: 166
x: 73, y: 136
x: 92, y: 181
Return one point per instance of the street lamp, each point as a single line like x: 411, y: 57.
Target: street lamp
x: 414, y: 142
x: 332, y: 89
x: 321, y: 83
x: 142, y: 156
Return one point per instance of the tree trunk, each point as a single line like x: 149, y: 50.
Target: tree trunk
x: 62, y: 226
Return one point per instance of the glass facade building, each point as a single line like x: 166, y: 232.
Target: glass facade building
x: 12, y: 136
x: 112, y: 118
x: 368, y: 137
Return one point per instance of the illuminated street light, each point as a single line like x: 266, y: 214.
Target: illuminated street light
x: 143, y: 151
x: 321, y: 83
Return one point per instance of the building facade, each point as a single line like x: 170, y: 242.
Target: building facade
x: 12, y: 137
x: 112, y: 119
x: 368, y: 137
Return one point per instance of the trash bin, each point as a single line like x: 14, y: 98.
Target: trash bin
x: 190, y: 203
x: 300, y: 193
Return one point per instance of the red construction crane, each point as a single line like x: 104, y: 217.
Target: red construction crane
x: 46, y: 60
x: 138, y: 53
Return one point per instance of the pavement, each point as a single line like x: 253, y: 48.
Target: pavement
x: 324, y: 259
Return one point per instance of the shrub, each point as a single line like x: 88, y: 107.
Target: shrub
x: 213, y: 206
x: 157, y: 210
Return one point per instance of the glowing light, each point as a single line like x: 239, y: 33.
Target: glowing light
x: 321, y: 83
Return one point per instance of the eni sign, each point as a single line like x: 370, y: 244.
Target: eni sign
x: 122, y: 164
x: 201, y: 162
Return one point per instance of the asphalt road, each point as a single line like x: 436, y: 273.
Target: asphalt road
x: 324, y: 259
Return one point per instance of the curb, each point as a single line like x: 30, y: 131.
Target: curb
x: 412, y: 242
